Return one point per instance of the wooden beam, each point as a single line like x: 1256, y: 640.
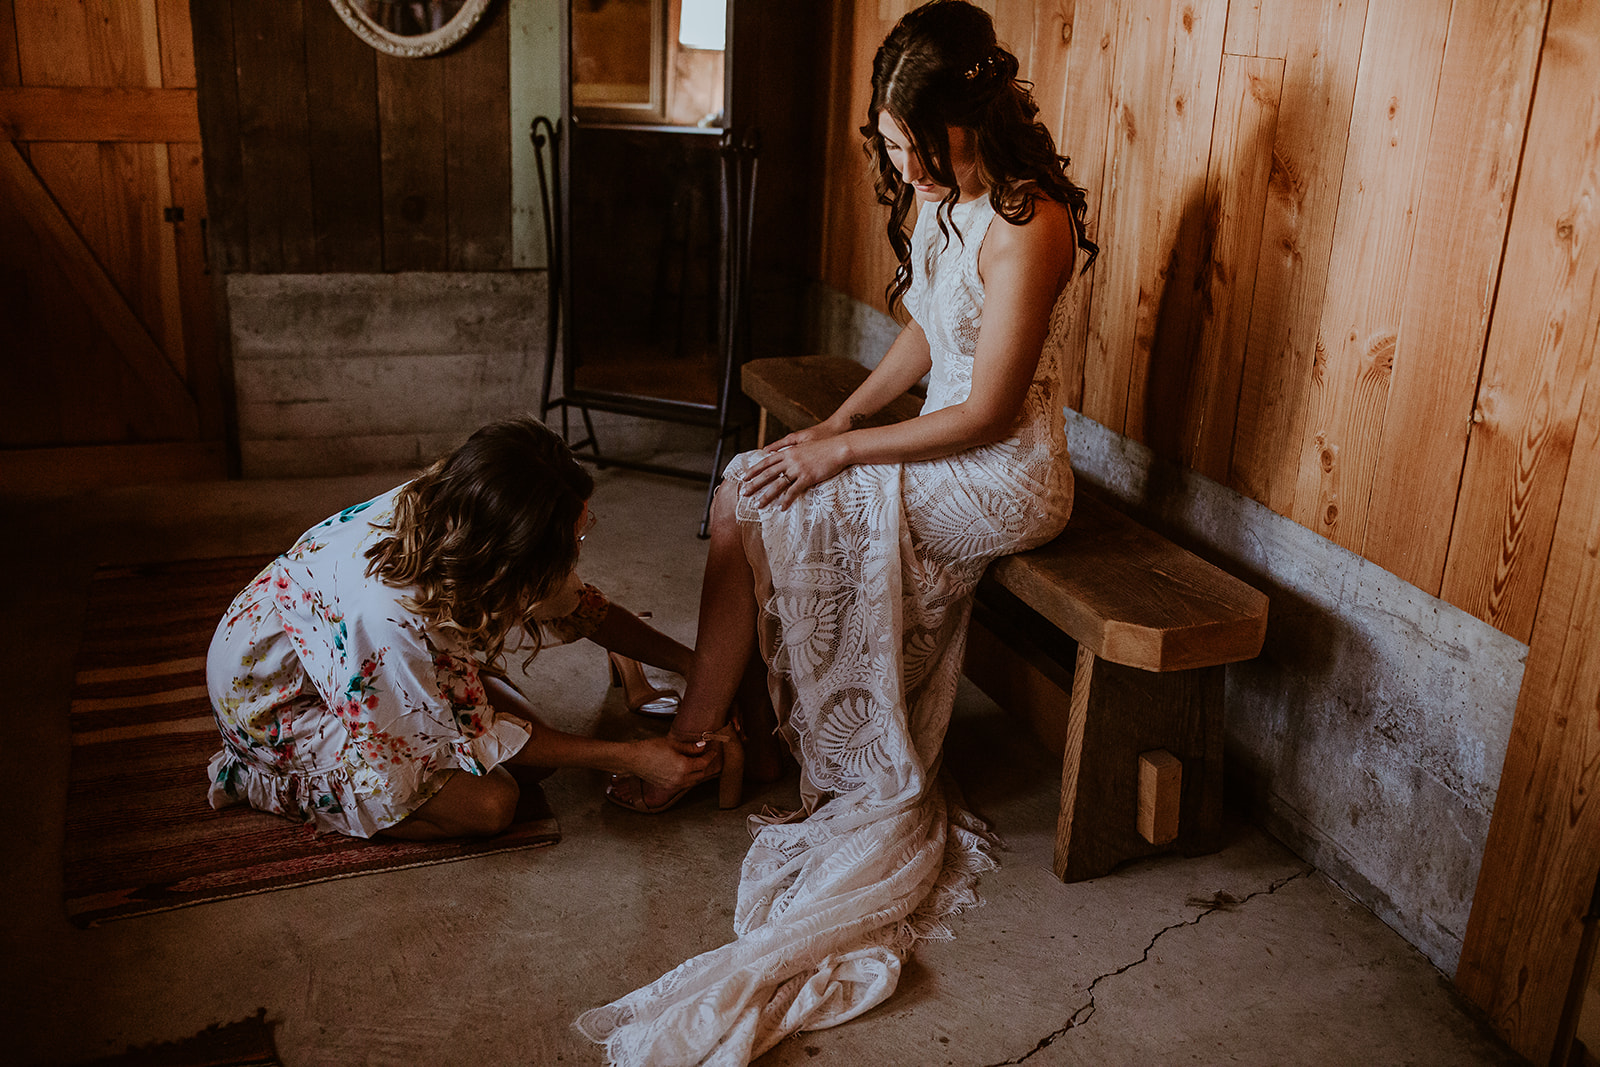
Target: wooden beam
x: 167, y: 396
x: 1160, y: 790
x: 141, y: 116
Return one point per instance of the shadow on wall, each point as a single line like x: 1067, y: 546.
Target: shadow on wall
x: 1174, y: 341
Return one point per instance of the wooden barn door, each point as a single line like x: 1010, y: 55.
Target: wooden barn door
x: 111, y: 370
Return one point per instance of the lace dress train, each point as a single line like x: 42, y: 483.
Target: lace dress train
x: 865, y: 589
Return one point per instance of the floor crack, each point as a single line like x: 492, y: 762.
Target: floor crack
x: 1085, y: 1011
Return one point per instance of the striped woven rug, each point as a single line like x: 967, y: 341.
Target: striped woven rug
x: 140, y: 836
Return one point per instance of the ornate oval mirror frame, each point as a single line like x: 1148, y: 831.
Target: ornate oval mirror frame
x: 422, y: 44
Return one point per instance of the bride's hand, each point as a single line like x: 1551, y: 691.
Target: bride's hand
x: 819, y: 432
x: 783, y: 474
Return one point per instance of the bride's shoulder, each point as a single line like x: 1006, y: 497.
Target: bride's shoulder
x: 1039, y: 226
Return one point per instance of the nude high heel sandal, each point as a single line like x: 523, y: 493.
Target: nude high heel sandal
x: 626, y: 791
x: 642, y: 698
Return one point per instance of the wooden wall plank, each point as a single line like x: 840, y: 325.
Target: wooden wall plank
x: 1167, y: 64
x: 33, y: 291
x: 346, y: 178
x: 196, y: 301
x: 177, y: 44
x: 1321, y: 54
x: 1236, y: 194
x: 98, y: 114
x: 1014, y: 29
x: 1543, y: 853
x: 131, y: 251
x: 274, y: 136
x: 62, y: 381
x: 53, y: 42
x: 858, y: 258
x: 158, y: 165
x: 1129, y: 186
x: 217, y: 95
x: 1166, y: 337
x: 1245, y: 25
x: 10, y: 63
x: 167, y: 407
x: 411, y: 131
x: 71, y: 172
x: 1491, y: 56
x: 148, y: 27
x: 1074, y: 62
x: 477, y: 130
x: 116, y: 33
x: 837, y: 238
x: 1541, y: 342
x: 870, y: 272
x: 1380, y: 195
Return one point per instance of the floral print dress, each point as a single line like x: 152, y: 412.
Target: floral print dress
x: 339, y: 706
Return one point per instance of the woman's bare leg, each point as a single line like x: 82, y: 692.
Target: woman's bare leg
x: 726, y: 638
x: 467, y: 805
x: 725, y: 644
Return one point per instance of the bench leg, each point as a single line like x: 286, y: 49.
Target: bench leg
x: 1116, y: 714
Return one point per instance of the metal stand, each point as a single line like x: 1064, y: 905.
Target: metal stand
x: 737, y: 165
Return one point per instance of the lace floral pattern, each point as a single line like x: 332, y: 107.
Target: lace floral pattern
x: 865, y: 586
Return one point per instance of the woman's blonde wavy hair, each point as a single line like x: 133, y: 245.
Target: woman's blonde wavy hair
x: 486, y: 533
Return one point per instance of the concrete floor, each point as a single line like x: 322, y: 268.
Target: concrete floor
x: 1247, y: 956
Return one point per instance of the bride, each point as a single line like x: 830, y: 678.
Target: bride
x: 847, y: 555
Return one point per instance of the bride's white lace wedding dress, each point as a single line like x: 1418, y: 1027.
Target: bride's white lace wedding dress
x: 865, y: 586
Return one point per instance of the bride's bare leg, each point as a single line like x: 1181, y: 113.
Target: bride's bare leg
x: 727, y: 635
x: 725, y: 643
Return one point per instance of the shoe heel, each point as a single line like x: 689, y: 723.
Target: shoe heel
x: 730, y: 786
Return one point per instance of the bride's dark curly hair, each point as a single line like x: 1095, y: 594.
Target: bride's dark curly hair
x: 484, y: 534
x: 941, y: 66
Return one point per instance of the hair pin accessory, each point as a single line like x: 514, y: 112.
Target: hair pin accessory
x: 983, y: 67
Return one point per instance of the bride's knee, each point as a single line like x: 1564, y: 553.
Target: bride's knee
x: 724, y: 505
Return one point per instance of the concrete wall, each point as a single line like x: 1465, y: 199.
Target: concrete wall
x: 348, y: 373
x: 1370, y: 733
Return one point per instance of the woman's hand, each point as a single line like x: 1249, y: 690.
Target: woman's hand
x: 659, y: 762
x: 789, y: 469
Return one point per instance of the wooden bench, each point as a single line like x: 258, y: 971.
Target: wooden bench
x: 1111, y: 639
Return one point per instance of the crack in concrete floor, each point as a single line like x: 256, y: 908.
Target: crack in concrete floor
x: 1085, y: 1011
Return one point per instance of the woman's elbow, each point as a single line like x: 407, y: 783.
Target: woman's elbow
x: 989, y: 428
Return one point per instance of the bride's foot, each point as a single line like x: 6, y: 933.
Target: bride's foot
x: 725, y: 763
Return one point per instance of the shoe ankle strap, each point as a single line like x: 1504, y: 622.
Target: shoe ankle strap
x: 729, y: 732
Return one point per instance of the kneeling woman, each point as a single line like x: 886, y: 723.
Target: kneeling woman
x: 358, y: 680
